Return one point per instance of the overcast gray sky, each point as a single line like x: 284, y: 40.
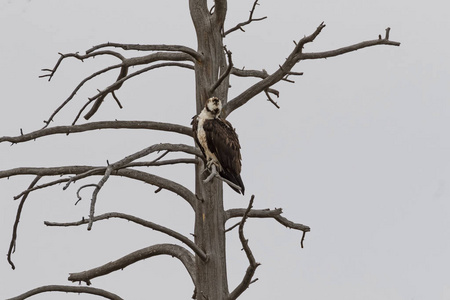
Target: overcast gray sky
x: 359, y: 150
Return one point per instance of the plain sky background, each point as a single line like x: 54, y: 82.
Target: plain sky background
x: 359, y: 150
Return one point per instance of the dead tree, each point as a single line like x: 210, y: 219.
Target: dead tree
x: 204, y: 255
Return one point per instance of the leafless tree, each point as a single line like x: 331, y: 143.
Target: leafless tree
x: 204, y: 255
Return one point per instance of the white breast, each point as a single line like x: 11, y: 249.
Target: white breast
x: 201, y: 134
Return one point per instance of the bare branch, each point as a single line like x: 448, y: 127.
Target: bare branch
x: 150, y: 125
x: 250, y: 19
x: 343, y: 50
x: 225, y: 74
x: 67, y: 289
x: 177, y: 251
x: 140, y: 221
x: 249, y: 73
x: 164, y: 162
x: 97, y: 189
x: 129, y: 173
x: 247, y: 280
x: 164, y: 183
x: 50, y: 119
x: 195, y: 55
x: 296, y: 56
x: 267, y: 213
x: 79, y: 57
x: 121, y: 79
x: 126, y: 63
x: 12, y: 245
x: 254, y: 213
x: 270, y: 99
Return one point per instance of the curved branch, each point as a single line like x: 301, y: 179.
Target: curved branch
x: 116, y: 85
x: 150, y: 125
x: 247, y: 280
x: 195, y: 55
x: 121, y: 79
x: 68, y: 289
x: 177, y: 251
x: 79, y: 57
x: 296, y: 56
x: 161, y: 182
x: 139, y: 221
x: 12, y: 245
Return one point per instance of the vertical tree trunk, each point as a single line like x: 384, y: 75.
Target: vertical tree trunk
x: 210, y: 222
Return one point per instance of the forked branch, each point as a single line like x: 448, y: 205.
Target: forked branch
x: 176, y: 251
x: 120, y: 169
x: 268, y: 213
x: 250, y: 19
x: 296, y: 56
x: 124, y: 67
x: 68, y: 289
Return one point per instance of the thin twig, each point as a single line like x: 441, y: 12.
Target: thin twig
x: 50, y: 119
x: 247, y: 280
x: 83, y: 187
x: 12, y: 244
x: 271, y: 100
x: 242, y: 24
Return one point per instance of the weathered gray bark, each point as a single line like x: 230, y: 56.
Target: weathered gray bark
x: 210, y: 217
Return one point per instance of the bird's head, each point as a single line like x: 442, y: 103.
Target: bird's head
x: 214, y: 106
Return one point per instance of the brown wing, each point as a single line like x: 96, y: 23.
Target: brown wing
x: 224, y: 143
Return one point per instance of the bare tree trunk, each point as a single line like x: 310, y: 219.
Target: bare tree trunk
x: 212, y: 65
x: 210, y: 216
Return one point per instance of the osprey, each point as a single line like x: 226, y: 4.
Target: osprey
x: 219, y: 142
